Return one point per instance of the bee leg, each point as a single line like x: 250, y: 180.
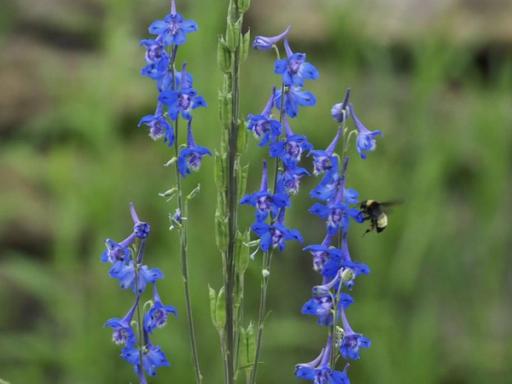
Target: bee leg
x: 367, y: 231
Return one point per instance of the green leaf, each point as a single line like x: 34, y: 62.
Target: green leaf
x: 220, y: 313
x: 243, y: 173
x: 194, y: 192
x: 221, y: 229
x: 243, y: 133
x: 220, y: 169
x: 243, y: 251
x: 225, y: 108
x: 244, y: 5
x: 223, y: 56
x: 233, y: 34
x: 247, y: 346
x: 213, y: 304
x: 246, y: 44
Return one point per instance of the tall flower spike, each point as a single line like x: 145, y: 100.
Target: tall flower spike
x: 365, y: 138
x: 295, y: 69
x: 263, y: 126
x: 264, y: 43
x: 190, y: 157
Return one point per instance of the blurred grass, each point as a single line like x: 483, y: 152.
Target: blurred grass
x: 437, y: 303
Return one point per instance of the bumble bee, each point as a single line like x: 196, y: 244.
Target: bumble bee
x: 375, y: 211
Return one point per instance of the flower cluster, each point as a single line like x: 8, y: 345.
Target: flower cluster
x: 127, y: 266
x: 285, y: 146
x: 331, y: 258
x: 176, y: 93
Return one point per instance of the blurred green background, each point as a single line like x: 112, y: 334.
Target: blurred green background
x: 434, y: 76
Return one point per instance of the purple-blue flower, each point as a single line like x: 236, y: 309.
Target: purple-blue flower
x: 116, y: 252
x: 265, y: 201
x: 294, y: 97
x: 365, y: 138
x: 324, y: 160
x: 319, y: 370
x: 191, y: 156
x: 122, y: 330
x: 264, y: 43
x: 183, y: 100
x: 295, y: 69
x: 340, y: 111
x: 263, y: 126
x: 152, y: 358
x: 157, y: 315
x: 291, y: 149
x: 275, y: 235
x: 289, y: 180
x: 126, y: 274
x: 158, y: 126
x: 173, y: 29
x: 351, y: 342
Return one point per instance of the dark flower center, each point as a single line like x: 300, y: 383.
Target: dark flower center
x: 322, y: 164
x: 264, y: 203
x: 277, y: 237
x: 294, y: 149
x: 194, y: 161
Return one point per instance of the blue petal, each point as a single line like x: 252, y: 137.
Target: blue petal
x: 280, y: 66
x: 189, y: 26
x: 158, y: 27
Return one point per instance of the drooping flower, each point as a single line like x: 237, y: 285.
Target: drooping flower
x: 294, y: 97
x: 152, y: 358
x: 340, y: 111
x: 173, y: 29
x: 319, y: 370
x: 324, y: 160
x: 156, y: 317
x: 118, y: 252
x: 141, y: 229
x: 289, y: 180
x: 337, y: 215
x: 275, y: 235
x: 264, y: 43
x: 295, y: 69
x: 323, y: 254
x: 291, y: 149
x: 365, y: 138
x: 264, y: 200
x: 158, y: 126
x: 122, y: 330
x: 263, y: 126
x: 190, y: 157
x: 351, y: 342
x: 126, y: 274
x: 183, y: 100
x: 155, y: 50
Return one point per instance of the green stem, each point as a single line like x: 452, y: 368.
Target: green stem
x: 267, y: 263
x: 184, y: 247
x: 139, y: 314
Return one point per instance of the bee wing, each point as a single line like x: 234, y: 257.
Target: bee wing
x: 387, y: 205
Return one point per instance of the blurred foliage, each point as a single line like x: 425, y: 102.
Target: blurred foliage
x: 437, y: 303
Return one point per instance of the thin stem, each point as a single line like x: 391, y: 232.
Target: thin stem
x: 232, y: 199
x: 267, y: 263
x: 184, y: 246
x: 138, y: 260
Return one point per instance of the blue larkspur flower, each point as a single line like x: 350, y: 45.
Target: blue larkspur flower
x: 323, y: 254
x: 183, y: 100
x: 340, y: 111
x: 295, y: 69
x: 158, y: 126
x: 275, y: 235
x: 337, y: 215
x: 263, y: 126
x: 191, y: 156
x: 264, y: 200
x: 118, y: 252
x: 173, y: 29
x: 157, y: 315
x: 122, y: 330
x: 126, y: 274
x: 365, y: 138
x: 291, y: 149
x: 289, y: 180
x: 141, y: 229
x: 264, y: 43
x: 352, y: 341
x: 155, y: 50
x: 319, y: 370
x: 152, y: 358
x: 324, y: 160
x: 294, y: 97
